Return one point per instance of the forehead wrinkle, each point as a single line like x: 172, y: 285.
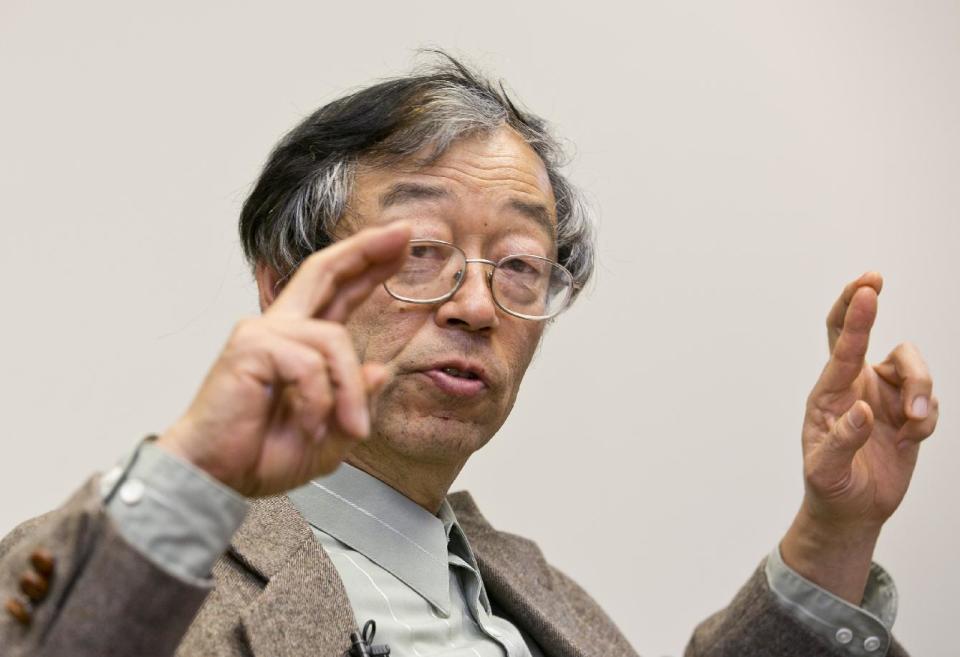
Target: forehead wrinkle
x: 525, y: 197
x: 513, y: 178
x: 408, y: 191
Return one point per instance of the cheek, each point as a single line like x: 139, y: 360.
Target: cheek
x: 381, y: 327
x: 522, y: 344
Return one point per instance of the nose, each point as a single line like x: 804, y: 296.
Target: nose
x: 472, y: 307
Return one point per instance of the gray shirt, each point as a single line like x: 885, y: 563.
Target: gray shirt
x: 182, y: 520
x: 411, y: 571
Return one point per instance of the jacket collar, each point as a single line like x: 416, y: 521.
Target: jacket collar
x: 385, y: 526
x: 304, y: 609
x: 533, y: 595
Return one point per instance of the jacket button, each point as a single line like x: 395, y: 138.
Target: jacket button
x: 18, y: 610
x: 43, y: 562
x: 34, y: 586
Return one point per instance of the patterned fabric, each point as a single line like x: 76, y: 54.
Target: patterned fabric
x: 276, y: 593
x: 182, y: 520
x: 411, y: 571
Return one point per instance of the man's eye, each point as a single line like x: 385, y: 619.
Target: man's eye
x: 520, y: 266
x: 426, y: 252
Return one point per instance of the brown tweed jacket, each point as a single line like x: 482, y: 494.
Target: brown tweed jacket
x: 275, y: 593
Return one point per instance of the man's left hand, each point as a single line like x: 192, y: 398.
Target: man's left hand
x: 861, y: 437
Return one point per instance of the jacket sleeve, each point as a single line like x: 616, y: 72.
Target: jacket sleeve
x: 756, y: 623
x: 105, y: 597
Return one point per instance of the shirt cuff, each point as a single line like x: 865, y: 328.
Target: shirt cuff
x: 852, y: 630
x: 178, y: 516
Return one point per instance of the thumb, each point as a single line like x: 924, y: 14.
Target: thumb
x: 835, y: 454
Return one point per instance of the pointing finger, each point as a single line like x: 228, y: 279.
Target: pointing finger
x: 850, y: 350
x: 333, y: 342
x: 372, y: 254
x: 838, y: 312
x: 352, y: 294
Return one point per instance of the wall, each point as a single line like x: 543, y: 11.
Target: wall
x: 746, y: 159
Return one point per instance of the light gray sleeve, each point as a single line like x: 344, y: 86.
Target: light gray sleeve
x: 175, y: 514
x: 863, y: 630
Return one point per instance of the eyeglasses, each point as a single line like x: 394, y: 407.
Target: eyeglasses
x: 525, y: 286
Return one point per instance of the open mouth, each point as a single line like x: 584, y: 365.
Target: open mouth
x: 457, y: 379
x: 460, y: 374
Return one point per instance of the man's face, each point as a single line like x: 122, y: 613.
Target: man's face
x: 489, y: 195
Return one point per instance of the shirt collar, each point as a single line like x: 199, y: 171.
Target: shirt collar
x: 385, y: 526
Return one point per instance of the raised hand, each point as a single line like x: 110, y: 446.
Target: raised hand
x: 861, y: 437
x: 287, y: 398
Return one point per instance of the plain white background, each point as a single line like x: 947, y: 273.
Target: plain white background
x: 746, y: 160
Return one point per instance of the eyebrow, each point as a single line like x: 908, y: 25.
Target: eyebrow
x: 538, y: 212
x: 405, y: 192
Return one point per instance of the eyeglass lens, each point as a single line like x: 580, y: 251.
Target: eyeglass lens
x: 524, y: 285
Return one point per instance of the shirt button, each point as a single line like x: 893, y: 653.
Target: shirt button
x: 871, y: 643
x: 131, y: 492
x: 844, y: 635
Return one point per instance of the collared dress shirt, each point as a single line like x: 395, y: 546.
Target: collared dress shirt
x: 412, y: 572
x: 409, y: 570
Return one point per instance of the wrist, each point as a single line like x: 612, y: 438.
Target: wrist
x: 180, y: 441
x: 836, y: 556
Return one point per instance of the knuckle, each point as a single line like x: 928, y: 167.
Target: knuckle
x: 246, y: 329
x: 339, y: 337
x: 313, y: 361
x: 335, y: 331
x: 244, y: 323
x: 907, y: 350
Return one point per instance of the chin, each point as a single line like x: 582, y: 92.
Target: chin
x: 431, y: 438
x: 411, y: 419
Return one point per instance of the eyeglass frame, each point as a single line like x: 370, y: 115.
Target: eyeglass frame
x: 493, y: 295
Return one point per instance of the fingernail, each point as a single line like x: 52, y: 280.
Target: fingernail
x: 857, y: 416
x: 920, y: 406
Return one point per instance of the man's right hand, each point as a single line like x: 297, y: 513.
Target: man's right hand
x: 287, y: 398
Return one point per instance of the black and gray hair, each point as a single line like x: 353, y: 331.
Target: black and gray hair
x: 305, y: 185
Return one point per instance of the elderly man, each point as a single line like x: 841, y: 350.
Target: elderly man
x: 410, y: 242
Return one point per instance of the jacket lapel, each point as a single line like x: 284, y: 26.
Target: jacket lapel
x: 536, y: 597
x: 517, y: 576
x: 303, y: 609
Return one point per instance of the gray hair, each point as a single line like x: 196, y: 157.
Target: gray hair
x: 306, y: 183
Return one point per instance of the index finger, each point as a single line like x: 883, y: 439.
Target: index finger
x: 850, y: 349
x: 351, y: 268
x: 838, y: 312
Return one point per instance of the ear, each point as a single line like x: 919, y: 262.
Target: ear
x: 268, y: 284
